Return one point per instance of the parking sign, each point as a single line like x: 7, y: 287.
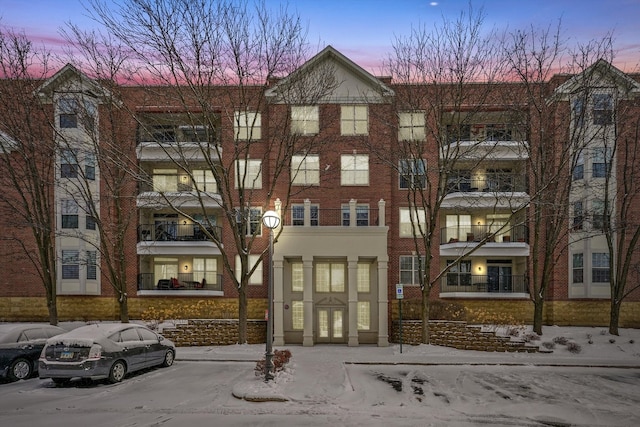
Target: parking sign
x: 399, y: 291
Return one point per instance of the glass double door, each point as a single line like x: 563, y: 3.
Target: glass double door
x: 330, y: 323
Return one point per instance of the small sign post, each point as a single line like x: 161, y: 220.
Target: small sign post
x: 400, y: 297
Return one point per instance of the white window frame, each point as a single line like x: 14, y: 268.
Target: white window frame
x: 364, y: 277
x: 205, y: 268
x: 407, y: 226
x: 253, y: 174
x: 247, y: 125
x: 364, y: 315
x: 297, y: 315
x: 305, y: 120
x: 297, y: 277
x: 411, y: 126
x: 305, y: 169
x: 415, y: 280
x: 354, y: 120
x: 256, y: 277
x: 354, y: 169
x: 330, y: 277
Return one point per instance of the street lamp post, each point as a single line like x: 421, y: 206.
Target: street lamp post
x: 271, y: 220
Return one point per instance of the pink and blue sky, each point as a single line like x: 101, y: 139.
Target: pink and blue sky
x: 364, y: 29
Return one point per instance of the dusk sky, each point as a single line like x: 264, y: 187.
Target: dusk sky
x: 364, y: 29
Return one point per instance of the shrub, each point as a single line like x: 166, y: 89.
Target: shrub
x: 612, y: 340
x: 280, y: 359
x: 549, y: 345
x: 574, y: 347
x: 531, y: 336
x: 560, y: 340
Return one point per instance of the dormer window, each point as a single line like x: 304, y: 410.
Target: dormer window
x: 602, y: 109
x: 68, y: 118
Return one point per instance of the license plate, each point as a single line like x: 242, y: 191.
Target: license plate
x: 66, y: 355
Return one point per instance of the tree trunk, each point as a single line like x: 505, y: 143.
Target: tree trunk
x: 123, y: 303
x: 242, y: 315
x: 425, y: 316
x: 538, y: 305
x: 614, y: 318
x: 52, y: 305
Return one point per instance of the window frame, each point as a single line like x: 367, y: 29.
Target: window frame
x: 412, y: 171
x: 414, y: 272
x: 600, y: 267
x: 70, y: 264
x: 411, y: 126
x: 409, y: 213
x: 305, y: 120
x: 352, y: 172
x: 247, y: 125
x: 602, y: 109
x: 577, y: 268
x: 253, y: 175
x: 351, y: 122
x: 303, y: 171
x: 69, y: 212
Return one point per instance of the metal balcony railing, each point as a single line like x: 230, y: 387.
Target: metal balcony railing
x: 477, y: 233
x: 504, y: 183
x: 169, y: 231
x: 183, y: 281
x: 319, y: 217
x: 466, y: 282
x: 175, y: 183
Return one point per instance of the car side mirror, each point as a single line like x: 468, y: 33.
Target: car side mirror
x: 160, y: 338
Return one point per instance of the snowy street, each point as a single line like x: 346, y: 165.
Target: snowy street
x: 196, y: 393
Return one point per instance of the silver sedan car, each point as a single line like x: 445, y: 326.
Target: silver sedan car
x: 104, y: 350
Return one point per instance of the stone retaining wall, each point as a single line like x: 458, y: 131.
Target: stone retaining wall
x: 199, y: 332
x: 458, y: 335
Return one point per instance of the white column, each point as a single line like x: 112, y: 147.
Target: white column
x: 383, y: 302
x: 278, y: 302
x: 381, y: 214
x: 307, y: 301
x: 353, y: 221
x: 353, y: 302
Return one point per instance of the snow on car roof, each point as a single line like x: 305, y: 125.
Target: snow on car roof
x: 9, y: 332
x: 87, y: 335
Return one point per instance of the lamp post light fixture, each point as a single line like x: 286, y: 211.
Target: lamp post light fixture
x: 271, y: 220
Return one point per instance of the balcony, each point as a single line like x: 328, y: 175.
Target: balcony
x: 465, y: 283
x: 180, y: 190
x: 183, y: 284
x: 505, y: 183
x: 157, y: 141
x: 478, y: 233
x: 352, y: 215
x: 171, y: 232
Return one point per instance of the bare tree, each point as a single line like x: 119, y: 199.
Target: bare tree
x: 106, y: 153
x: 210, y: 63
x: 446, y: 79
x: 27, y: 153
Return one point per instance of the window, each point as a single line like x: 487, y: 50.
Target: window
x: 412, y: 221
x: 578, y: 112
x: 165, y: 180
x: 456, y: 133
x: 459, y: 229
x: 354, y: 169
x: 195, y: 133
x: 297, y: 277
x: 68, y: 164
x: 205, y: 180
x: 250, y: 220
x: 602, y: 109
x: 205, y: 268
x: 600, y: 267
x: 364, y: 315
x: 90, y: 166
x: 599, y: 216
x: 249, y: 174
x: 247, y: 125
x: 92, y: 265
x: 498, y: 132
x: 256, y: 277
x: 70, y: 264
x: 364, y: 280
x: 90, y: 222
x: 578, y: 168
x: 578, y: 268
x: 600, y: 162
x: 304, y: 120
x: 412, y: 173
x: 305, y: 170
x: 578, y: 215
x: 362, y: 215
x: 297, y: 315
x: 459, y: 274
x: 68, y: 118
x: 297, y: 215
x: 354, y: 120
x: 329, y: 277
x: 69, y: 208
x: 411, y: 126
x: 459, y: 180
x: 411, y: 269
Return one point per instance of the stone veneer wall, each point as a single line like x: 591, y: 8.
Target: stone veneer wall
x: 457, y: 335
x: 198, y: 332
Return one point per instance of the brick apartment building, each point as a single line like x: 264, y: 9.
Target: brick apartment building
x: 346, y: 236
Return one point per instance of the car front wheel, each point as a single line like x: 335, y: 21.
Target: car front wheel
x: 117, y: 372
x: 20, y: 369
x: 169, y: 357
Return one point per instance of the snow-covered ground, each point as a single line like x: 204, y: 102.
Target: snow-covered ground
x: 358, y: 386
